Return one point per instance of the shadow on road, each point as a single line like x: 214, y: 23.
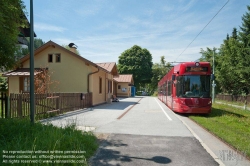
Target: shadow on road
x: 107, y: 155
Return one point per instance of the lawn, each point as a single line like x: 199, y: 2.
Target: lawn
x: 230, y: 124
x: 39, y: 143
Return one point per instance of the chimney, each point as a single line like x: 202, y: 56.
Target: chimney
x: 72, y: 47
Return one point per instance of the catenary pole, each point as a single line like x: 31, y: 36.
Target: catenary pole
x: 213, y: 84
x: 32, y: 94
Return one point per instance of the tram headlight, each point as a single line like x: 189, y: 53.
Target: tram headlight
x: 210, y: 102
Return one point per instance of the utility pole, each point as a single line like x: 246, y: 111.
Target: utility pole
x: 32, y: 91
x: 213, y: 84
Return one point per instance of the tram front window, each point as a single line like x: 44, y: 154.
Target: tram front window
x: 193, y: 86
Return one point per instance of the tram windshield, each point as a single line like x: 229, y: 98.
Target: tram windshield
x: 193, y: 86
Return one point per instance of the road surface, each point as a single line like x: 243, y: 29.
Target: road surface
x: 143, y: 131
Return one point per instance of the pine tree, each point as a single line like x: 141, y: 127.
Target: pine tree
x: 244, y: 34
x: 244, y: 52
x: 235, y: 33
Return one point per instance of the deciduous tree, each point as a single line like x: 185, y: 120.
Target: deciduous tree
x: 159, y: 70
x: 136, y: 61
x: 11, y: 12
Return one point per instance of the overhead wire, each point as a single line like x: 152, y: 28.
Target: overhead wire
x: 202, y: 29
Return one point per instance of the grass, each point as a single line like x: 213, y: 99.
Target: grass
x: 230, y: 124
x: 231, y: 102
x: 20, y: 135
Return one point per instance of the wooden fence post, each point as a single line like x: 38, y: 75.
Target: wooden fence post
x: 19, y: 105
x: 7, y: 111
x: 2, y: 99
x: 58, y: 104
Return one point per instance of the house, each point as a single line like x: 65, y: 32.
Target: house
x: 124, y: 84
x: 111, y: 84
x: 73, y: 73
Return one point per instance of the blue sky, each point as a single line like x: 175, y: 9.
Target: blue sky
x: 103, y: 29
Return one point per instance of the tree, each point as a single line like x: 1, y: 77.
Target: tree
x: 227, y: 74
x: 37, y: 43
x: 3, y: 84
x: 207, y: 56
x: 234, y: 33
x: 67, y: 47
x: 159, y: 70
x: 11, y: 20
x: 43, y: 82
x: 136, y: 61
x: 244, y: 53
x: 244, y: 34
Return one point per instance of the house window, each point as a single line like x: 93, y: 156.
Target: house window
x: 100, y: 85
x: 109, y: 86
x: 119, y: 86
x: 50, y: 58
x: 26, y: 84
x: 58, y: 57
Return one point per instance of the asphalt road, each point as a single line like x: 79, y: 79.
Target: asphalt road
x: 143, y: 131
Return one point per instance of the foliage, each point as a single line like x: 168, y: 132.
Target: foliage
x: 3, y: 84
x: 37, y: 43
x: 20, y: 135
x: 43, y: 82
x: 136, y: 61
x: 68, y: 48
x: 11, y: 20
x: 228, y: 72
x: 230, y: 124
x: 232, y: 69
x: 159, y: 70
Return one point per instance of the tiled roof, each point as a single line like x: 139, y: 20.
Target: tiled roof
x: 124, y: 78
x: 22, y: 72
x: 109, y: 66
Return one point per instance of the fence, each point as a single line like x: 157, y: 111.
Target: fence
x: 235, y: 98
x: 3, y: 104
x: 56, y: 103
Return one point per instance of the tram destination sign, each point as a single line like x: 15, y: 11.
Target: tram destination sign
x: 196, y: 69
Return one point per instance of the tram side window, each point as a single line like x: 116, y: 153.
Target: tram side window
x: 169, y: 88
x: 165, y: 89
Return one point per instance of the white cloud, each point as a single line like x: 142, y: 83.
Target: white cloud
x: 48, y: 27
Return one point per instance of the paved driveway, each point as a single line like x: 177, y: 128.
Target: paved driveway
x: 140, y: 131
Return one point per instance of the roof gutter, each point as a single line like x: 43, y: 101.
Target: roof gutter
x: 90, y: 75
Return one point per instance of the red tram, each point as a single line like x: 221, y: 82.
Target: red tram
x: 186, y: 88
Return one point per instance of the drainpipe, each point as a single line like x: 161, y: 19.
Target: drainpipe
x: 89, y: 76
x: 105, y: 87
